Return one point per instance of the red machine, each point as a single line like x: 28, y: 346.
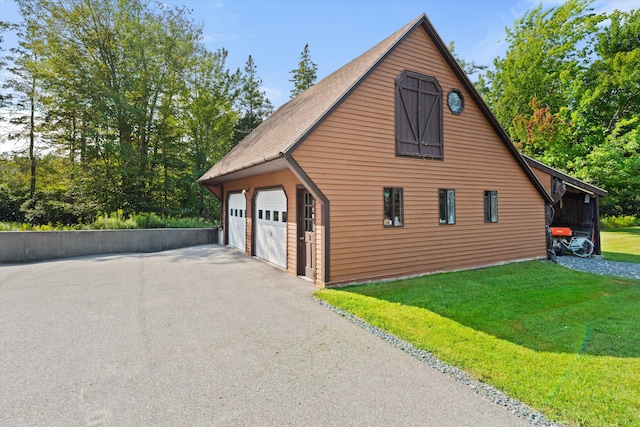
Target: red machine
x: 561, y: 232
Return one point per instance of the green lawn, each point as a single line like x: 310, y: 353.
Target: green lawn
x: 621, y: 244
x: 564, y: 342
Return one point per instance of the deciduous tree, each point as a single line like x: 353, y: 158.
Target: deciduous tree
x: 547, y: 55
x: 568, y: 92
x: 110, y: 67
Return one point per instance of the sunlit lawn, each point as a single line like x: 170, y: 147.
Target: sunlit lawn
x: 621, y: 244
x: 564, y: 342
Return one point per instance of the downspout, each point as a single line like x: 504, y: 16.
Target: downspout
x: 324, y: 219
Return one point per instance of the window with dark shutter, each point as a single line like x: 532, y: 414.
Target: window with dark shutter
x: 419, y: 120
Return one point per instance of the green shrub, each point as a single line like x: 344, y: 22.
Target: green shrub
x: 148, y: 220
x: 23, y: 226
x: 619, y: 221
x: 193, y: 222
x: 10, y: 202
x: 152, y: 220
x: 48, y: 207
x: 113, y: 221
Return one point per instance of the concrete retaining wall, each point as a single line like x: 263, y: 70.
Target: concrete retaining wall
x: 25, y: 246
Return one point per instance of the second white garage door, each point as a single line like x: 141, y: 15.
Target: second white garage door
x: 271, y: 226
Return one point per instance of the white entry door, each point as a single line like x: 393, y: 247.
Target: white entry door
x: 271, y: 226
x: 236, y: 221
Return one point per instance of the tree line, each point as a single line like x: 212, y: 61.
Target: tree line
x: 568, y: 93
x: 131, y: 107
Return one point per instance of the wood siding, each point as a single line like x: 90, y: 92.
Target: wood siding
x: 545, y: 179
x: 351, y: 157
x: 284, y: 179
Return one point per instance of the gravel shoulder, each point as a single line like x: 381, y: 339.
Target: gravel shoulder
x: 600, y: 266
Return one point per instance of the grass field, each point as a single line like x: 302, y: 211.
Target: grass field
x: 564, y: 342
x: 621, y: 244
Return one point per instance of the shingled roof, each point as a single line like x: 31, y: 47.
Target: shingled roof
x: 293, y: 121
x: 568, y: 179
x: 288, y: 126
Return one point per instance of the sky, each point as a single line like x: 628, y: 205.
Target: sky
x: 274, y: 33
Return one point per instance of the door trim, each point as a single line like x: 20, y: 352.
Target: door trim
x: 306, y: 256
x: 324, y: 216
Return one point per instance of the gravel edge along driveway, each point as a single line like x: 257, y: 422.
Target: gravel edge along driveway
x: 514, y: 406
x: 600, y: 266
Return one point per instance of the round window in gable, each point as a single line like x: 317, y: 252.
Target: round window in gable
x: 455, y: 101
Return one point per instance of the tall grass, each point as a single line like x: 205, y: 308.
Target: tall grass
x: 619, y: 221
x: 116, y: 221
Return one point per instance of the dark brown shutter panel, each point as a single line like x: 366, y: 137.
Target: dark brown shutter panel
x: 407, y: 132
x: 431, y: 135
x: 418, y: 116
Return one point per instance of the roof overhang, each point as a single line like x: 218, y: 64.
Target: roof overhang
x: 580, y: 189
x: 267, y: 167
x: 570, y: 181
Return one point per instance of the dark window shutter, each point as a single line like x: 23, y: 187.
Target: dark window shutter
x: 407, y: 135
x: 418, y: 116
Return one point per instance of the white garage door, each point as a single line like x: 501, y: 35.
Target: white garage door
x: 271, y: 226
x: 236, y: 221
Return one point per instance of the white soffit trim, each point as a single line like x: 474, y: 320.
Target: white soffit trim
x: 578, y: 188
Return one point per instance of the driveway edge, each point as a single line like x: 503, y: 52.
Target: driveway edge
x: 514, y: 406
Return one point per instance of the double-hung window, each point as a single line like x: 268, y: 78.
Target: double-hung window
x: 393, y: 207
x: 419, y: 117
x: 447, y: 200
x: 490, y: 206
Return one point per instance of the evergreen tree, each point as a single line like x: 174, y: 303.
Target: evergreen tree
x: 305, y: 75
x: 210, y: 120
x: 254, y: 104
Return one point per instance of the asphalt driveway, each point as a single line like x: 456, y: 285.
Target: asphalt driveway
x: 203, y: 336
